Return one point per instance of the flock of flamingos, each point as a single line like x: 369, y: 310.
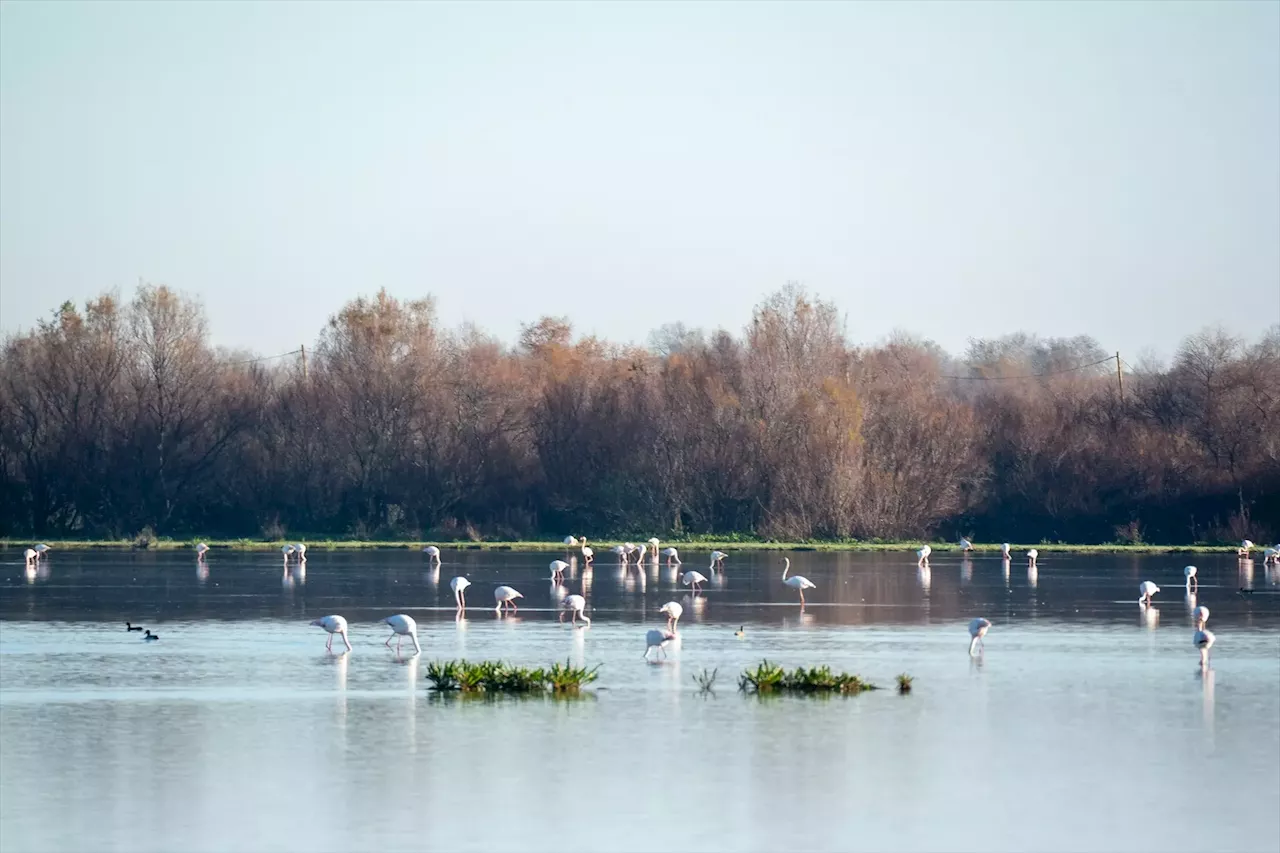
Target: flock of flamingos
x: 575, y: 606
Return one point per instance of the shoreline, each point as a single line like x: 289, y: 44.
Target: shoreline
x: 1018, y: 551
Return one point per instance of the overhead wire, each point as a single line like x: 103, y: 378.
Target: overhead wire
x: 1034, y: 375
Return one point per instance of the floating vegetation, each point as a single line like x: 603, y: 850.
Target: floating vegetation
x: 904, y: 683
x: 497, y: 677
x: 771, y: 678
x: 706, y: 680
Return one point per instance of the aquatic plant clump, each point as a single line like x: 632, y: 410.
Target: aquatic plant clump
x: 497, y: 677
x: 904, y: 683
x: 771, y: 678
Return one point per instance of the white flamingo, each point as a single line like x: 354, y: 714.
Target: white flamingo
x: 570, y: 542
x: 654, y: 543
x: 576, y: 605
x: 287, y: 551
x: 655, y: 639
x: 300, y: 551
x: 965, y: 544
x: 459, y: 586
x: 694, y: 579
x: 403, y: 626
x: 797, y: 582
x: 41, y: 550
x: 1203, y: 640
x: 922, y: 556
x: 1246, y: 547
x: 1200, y: 616
x: 29, y: 556
x: 558, y: 568
x: 1147, y: 589
x: 1032, y: 555
x: 672, y: 555
x: 201, y: 550
x: 433, y: 554
x: 717, y: 559
x: 1190, y: 573
x: 587, y: 554
x: 506, y: 595
x: 334, y: 625
x: 620, y: 551
x: 977, y: 630
x: 1271, y: 555
x: 673, y: 612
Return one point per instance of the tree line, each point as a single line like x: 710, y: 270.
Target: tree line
x: 119, y: 416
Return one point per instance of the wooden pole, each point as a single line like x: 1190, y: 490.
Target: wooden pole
x: 1119, y: 376
x: 304, y: 361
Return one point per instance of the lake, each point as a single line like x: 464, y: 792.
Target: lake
x: 1085, y: 725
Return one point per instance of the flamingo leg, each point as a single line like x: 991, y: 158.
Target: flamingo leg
x: 389, y: 639
x: 345, y: 640
x: 329, y: 645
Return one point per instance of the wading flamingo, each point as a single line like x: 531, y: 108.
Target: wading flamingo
x: 797, y: 582
x: 334, y: 625
x: 977, y: 630
x: 576, y: 605
x: 433, y: 554
x: 717, y: 560
x: 655, y: 639
x: 1200, y: 616
x: 1147, y: 589
x: 300, y: 551
x: 1032, y: 556
x: 558, y: 568
x: 287, y: 551
x: 673, y: 613
x: 201, y: 550
x: 693, y: 579
x: 403, y: 626
x: 1190, y: 573
x: 41, y: 550
x: 1246, y: 547
x: 1004, y: 550
x: 672, y: 555
x: 459, y: 586
x: 29, y: 556
x: 922, y: 556
x: 506, y: 595
x: 965, y: 544
x: 587, y: 554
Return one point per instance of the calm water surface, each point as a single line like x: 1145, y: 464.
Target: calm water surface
x: 1085, y: 726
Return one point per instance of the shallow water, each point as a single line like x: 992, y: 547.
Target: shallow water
x: 1085, y: 725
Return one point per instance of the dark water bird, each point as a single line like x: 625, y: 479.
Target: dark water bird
x: 740, y: 633
x: 129, y: 626
x: 149, y: 637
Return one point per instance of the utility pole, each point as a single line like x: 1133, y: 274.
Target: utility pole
x: 304, y: 361
x: 1119, y: 376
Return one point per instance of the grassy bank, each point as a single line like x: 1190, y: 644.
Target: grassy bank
x: 693, y: 546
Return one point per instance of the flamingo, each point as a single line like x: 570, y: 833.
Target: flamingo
x: 301, y: 551
x: 654, y: 638
x: 654, y: 543
x: 29, y: 556
x: 965, y: 544
x: 1200, y: 616
x: 620, y: 551
x: 287, y: 550
x: 506, y: 595
x: 40, y: 550
x: 1190, y: 573
x: 1004, y: 550
x: 1271, y: 555
x: 576, y: 605
x: 1203, y: 640
x: 587, y: 554
x: 201, y: 550
x: 798, y: 582
x: 922, y: 556
x: 1245, y: 548
x: 672, y: 555
x: 401, y: 627
x: 150, y: 637
x: 693, y: 578
x: 334, y: 625
x: 1031, y: 557
x: 1147, y: 589
x: 558, y: 568
x: 717, y: 559
x: 433, y: 554
x: 459, y: 586
x: 673, y: 613
x: 570, y: 542
x: 977, y: 630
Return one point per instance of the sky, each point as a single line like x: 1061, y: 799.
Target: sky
x: 952, y: 170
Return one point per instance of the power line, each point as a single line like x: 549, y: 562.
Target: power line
x: 1109, y: 358
x: 264, y: 358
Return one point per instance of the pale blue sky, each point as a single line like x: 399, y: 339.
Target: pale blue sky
x: 950, y: 169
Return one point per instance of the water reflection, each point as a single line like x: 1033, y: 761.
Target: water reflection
x: 925, y: 577
x: 1149, y: 616
x: 1033, y: 576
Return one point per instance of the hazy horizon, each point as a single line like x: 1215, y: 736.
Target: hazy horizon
x: 950, y: 170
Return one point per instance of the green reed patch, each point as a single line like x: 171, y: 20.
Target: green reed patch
x: 771, y: 678
x: 904, y: 683
x: 497, y: 677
